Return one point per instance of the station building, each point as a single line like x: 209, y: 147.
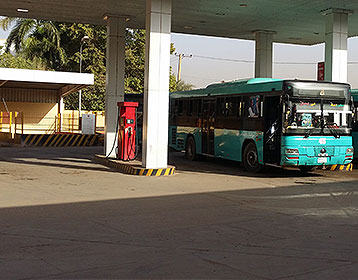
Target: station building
x: 31, y: 101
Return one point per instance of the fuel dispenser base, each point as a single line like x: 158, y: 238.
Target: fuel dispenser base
x: 133, y: 167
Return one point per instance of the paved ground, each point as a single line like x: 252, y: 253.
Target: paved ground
x: 63, y: 216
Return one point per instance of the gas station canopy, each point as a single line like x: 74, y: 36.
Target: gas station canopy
x: 298, y: 22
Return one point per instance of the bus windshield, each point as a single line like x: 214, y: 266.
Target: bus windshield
x: 318, y: 90
x: 320, y: 109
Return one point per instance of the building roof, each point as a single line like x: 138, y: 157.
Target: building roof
x: 64, y: 82
x: 293, y: 21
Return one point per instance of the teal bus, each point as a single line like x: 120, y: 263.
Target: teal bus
x: 265, y: 121
x: 354, y: 93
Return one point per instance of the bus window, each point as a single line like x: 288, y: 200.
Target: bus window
x: 220, y: 106
x: 185, y: 107
x: 231, y: 106
x: 189, y: 108
x: 180, y: 108
x: 199, y: 107
x: 241, y: 108
x: 195, y: 107
x: 254, y: 106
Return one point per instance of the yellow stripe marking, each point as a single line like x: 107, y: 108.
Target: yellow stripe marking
x: 38, y: 141
x: 27, y: 138
x: 58, y: 140
x: 32, y: 140
x: 141, y: 172
x: 79, y: 142
x: 150, y: 171
x: 333, y: 167
x: 341, y: 167
x: 86, y: 140
x: 93, y: 139
x: 54, y: 140
x: 60, y: 144
x: 69, y: 141
x: 75, y: 140
x: 48, y: 139
x: 167, y: 172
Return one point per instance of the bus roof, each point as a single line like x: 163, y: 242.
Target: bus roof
x: 354, y: 93
x: 255, y: 85
x: 239, y: 86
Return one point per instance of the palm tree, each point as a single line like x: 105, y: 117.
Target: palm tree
x: 35, y: 39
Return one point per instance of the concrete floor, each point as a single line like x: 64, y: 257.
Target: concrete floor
x: 63, y: 216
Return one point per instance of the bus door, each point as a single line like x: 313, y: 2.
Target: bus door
x: 208, y: 125
x: 272, y: 116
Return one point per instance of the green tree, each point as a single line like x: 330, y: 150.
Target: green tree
x: 7, y: 60
x: 182, y: 86
x: 38, y: 39
x: 55, y: 46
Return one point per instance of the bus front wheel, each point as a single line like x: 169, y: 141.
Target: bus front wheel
x: 190, y: 149
x: 251, y: 158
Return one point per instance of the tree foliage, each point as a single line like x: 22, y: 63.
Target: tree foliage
x: 7, y: 60
x: 55, y: 46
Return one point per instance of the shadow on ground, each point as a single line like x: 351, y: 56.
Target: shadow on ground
x: 81, y: 158
x: 297, y: 232
x: 227, y: 167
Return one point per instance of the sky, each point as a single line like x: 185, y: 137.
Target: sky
x: 201, y: 71
x: 212, y: 59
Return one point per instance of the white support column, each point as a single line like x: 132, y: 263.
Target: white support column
x: 156, y: 85
x: 61, y: 109
x: 263, y: 53
x: 115, y: 66
x: 336, y: 57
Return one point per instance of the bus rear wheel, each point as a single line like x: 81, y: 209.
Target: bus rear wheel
x: 251, y: 158
x: 190, y: 149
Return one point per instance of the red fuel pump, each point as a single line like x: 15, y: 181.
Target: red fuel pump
x: 127, y: 130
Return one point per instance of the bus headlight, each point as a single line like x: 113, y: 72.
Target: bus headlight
x: 350, y: 151
x: 292, y: 152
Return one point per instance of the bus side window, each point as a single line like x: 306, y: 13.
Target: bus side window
x: 199, y: 107
x: 220, y: 106
x: 172, y: 109
x: 180, y: 107
x: 241, y: 108
x: 195, y: 107
x: 186, y: 107
x: 230, y: 106
x: 246, y: 107
x: 189, y: 108
x: 254, y: 106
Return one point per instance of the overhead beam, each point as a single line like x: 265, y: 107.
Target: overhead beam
x: 68, y: 89
x: 3, y: 83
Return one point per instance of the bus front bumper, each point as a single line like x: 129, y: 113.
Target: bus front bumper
x: 302, y: 160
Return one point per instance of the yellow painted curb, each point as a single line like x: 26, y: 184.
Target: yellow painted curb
x: 128, y: 168
x: 338, y: 167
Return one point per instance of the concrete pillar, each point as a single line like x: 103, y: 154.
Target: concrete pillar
x: 115, y: 66
x: 156, y: 85
x: 263, y: 53
x: 61, y: 109
x: 336, y: 56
